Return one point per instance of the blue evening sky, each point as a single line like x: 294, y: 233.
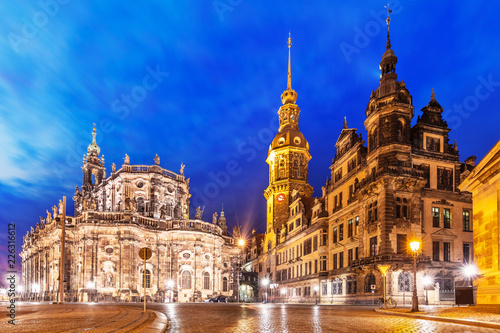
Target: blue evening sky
x: 199, y: 83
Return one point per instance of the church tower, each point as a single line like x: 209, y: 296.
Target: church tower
x: 288, y: 158
x: 93, y: 166
x: 388, y: 116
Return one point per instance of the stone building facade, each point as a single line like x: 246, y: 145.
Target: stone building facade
x: 484, y: 183
x: 401, y: 186
x: 136, y: 206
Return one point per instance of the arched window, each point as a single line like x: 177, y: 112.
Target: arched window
x: 404, y: 281
x: 373, y: 139
x: 206, y: 280
x: 224, y: 284
x: 146, y: 279
x: 401, y: 130
x: 369, y: 280
x: 186, y: 280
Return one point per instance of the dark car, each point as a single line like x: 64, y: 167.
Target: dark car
x: 218, y: 299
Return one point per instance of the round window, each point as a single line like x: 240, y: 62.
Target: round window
x: 297, y: 140
x: 207, y: 256
x: 186, y: 255
x: 225, y: 264
x: 109, y: 250
x: 281, y: 141
x: 140, y: 184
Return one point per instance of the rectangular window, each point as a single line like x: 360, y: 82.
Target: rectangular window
x: 315, y: 266
x: 349, y: 228
x: 323, y: 263
x: 340, y: 199
x: 466, y: 253
x: 435, y: 217
x: 401, y: 244
x: 350, y: 257
x: 310, y: 267
x: 324, y: 289
x: 315, y: 243
x: 341, y: 232
x: 335, y: 261
x: 435, y: 251
x: 357, y: 253
x: 447, y: 251
x: 446, y: 218
x: 466, y: 220
x: 334, y: 235
x: 341, y: 259
x: 373, y: 246
x: 307, y: 246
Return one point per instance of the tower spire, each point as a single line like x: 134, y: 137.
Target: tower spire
x: 388, y: 20
x: 289, y: 95
x: 289, y: 81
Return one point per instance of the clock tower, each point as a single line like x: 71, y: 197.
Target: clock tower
x: 288, y: 158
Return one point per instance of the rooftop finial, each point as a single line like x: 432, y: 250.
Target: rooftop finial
x: 289, y: 82
x: 433, y: 96
x: 345, y: 122
x: 388, y: 20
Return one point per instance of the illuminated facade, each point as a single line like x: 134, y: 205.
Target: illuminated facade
x: 136, y: 206
x: 484, y: 183
x: 402, y: 186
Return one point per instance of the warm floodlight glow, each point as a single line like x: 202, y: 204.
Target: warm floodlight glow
x: 316, y: 288
x: 170, y: 283
x: 415, y: 245
x: 265, y: 282
x: 90, y: 285
x: 427, y: 280
x: 241, y: 242
x: 283, y: 291
x: 470, y: 270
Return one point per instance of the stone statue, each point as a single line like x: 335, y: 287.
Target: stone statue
x: 49, y: 217
x: 214, y: 218
x: 163, y: 212
x: 127, y: 159
x: 182, y: 168
x: 113, y: 167
x: 84, y: 159
x: 61, y: 207
x: 92, y: 204
x: 157, y: 159
x: 197, y: 216
x: 185, y: 212
x: 85, y: 204
x: 54, y: 211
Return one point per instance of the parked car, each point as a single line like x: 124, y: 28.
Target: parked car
x: 218, y: 299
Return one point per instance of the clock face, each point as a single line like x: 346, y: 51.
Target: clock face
x: 281, y: 197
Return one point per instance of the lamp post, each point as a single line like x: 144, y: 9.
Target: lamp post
x: 383, y: 269
x: 470, y: 271
x: 415, y: 245
x: 265, y: 282
x: 316, y: 289
x: 170, y: 286
x: 427, y: 283
x: 241, y: 243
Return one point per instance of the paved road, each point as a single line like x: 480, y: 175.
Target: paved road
x: 291, y: 318
x: 75, y: 318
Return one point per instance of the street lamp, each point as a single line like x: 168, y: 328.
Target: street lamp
x: 316, y: 289
x: 427, y: 280
x: 415, y: 245
x: 283, y: 294
x: 265, y: 282
x: 469, y: 271
x: 241, y: 243
x: 170, y: 286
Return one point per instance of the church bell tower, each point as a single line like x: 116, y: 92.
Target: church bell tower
x: 288, y: 158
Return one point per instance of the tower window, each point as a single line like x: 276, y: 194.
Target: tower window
x: 146, y: 279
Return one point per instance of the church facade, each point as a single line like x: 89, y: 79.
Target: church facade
x: 134, y: 207
x: 399, y: 187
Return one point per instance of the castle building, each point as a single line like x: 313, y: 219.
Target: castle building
x: 401, y: 186
x: 137, y: 206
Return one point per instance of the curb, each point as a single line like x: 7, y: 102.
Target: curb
x: 469, y: 322
x: 159, y: 325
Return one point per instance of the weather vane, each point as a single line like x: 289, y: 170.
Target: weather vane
x: 389, y: 11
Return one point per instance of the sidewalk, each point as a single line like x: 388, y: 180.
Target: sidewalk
x: 78, y: 317
x: 480, y: 315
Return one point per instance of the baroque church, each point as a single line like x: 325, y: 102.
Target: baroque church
x: 402, y: 185
x: 136, y: 206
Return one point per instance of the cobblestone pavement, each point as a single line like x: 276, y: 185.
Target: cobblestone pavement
x: 45, y: 317
x: 487, y: 313
x: 290, y: 318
